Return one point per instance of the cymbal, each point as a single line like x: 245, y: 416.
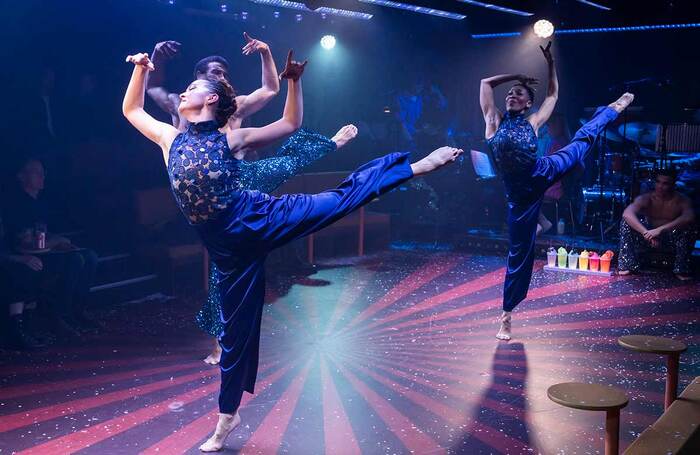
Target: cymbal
x: 641, y: 132
x: 648, y: 153
x: 683, y: 155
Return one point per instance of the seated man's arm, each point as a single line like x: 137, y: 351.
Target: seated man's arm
x: 59, y: 242
x: 32, y: 262
x: 634, y: 211
x: 686, y: 217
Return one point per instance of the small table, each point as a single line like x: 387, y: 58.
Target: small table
x: 672, y: 349
x: 594, y: 397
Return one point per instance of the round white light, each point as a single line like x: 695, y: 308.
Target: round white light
x: 544, y: 28
x: 328, y: 42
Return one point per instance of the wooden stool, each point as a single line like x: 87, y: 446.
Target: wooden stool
x: 670, y: 348
x: 594, y: 397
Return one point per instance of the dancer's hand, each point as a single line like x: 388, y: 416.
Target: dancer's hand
x: 527, y: 80
x: 141, y: 60
x: 32, y: 262
x: 548, y: 53
x: 166, y: 50
x: 254, y: 45
x: 652, y: 234
x: 293, y: 69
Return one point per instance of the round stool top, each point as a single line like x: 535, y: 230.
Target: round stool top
x: 591, y: 397
x: 647, y: 343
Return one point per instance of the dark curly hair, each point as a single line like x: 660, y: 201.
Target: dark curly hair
x: 226, y: 105
x: 667, y: 172
x: 202, y: 65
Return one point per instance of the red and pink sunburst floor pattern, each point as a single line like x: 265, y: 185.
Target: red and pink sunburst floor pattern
x: 389, y: 354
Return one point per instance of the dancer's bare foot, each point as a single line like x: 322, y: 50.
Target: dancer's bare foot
x: 624, y: 272
x: 226, y: 424
x: 622, y: 102
x: 683, y: 277
x: 504, y: 331
x: 344, y: 135
x: 215, y: 357
x: 436, y: 160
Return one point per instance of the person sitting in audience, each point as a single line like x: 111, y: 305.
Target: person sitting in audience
x: 658, y: 218
x: 18, y: 284
x: 25, y: 214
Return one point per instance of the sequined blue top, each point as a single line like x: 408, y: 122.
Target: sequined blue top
x: 514, y: 145
x: 514, y: 148
x: 205, y: 178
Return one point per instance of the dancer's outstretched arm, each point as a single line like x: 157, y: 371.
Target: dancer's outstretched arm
x: 246, y: 139
x: 155, y: 87
x: 540, y: 117
x: 492, y: 116
x: 132, y: 107
x: 250, y: 104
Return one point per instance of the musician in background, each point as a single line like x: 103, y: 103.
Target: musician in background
x: 659, y: 218
x: 424, y: 116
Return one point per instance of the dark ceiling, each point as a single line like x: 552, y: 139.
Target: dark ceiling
x: 563, y: 13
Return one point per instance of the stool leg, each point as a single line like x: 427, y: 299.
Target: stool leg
x: 310, y: 249
x: 612, y: 432
x: 361, y: 234
x: 671, y: 378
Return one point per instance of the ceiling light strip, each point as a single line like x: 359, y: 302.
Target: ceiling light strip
x: 416, y: 9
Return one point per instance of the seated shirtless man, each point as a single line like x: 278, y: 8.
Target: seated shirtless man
x: 661, y: 217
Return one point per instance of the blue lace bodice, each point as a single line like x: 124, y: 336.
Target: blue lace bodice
x: 204, y: 175
x: 514, y: 145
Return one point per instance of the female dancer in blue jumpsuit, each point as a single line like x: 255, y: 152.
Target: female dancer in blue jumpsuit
x: 513, y: 141
x: 265, y: 175
x: 238, y: 226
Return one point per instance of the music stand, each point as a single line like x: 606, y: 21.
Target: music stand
x: 483, y: 168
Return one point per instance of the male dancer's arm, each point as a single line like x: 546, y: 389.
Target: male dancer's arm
x: 250, y: 104
x: 245, y: 139
x: 155, y: 88
x: 540, y: 117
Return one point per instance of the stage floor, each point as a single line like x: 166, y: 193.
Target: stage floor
x: 393, y: 353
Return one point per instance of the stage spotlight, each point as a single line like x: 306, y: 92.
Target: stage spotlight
x: 276, y: 14
x: 543, y: 28
x: 223, y: 7
x: 244, y: 15
x: 328, y: 42
x: 299, y: 17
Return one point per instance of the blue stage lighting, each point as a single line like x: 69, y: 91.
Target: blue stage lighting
x: 502, y: 9
x: 415, y: 9
x: 328, y: 42
x: 323, y: 10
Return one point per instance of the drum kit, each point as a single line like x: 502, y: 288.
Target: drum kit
x: 629, y: 153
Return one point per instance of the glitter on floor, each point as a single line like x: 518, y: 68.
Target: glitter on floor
x: 388, y: 354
